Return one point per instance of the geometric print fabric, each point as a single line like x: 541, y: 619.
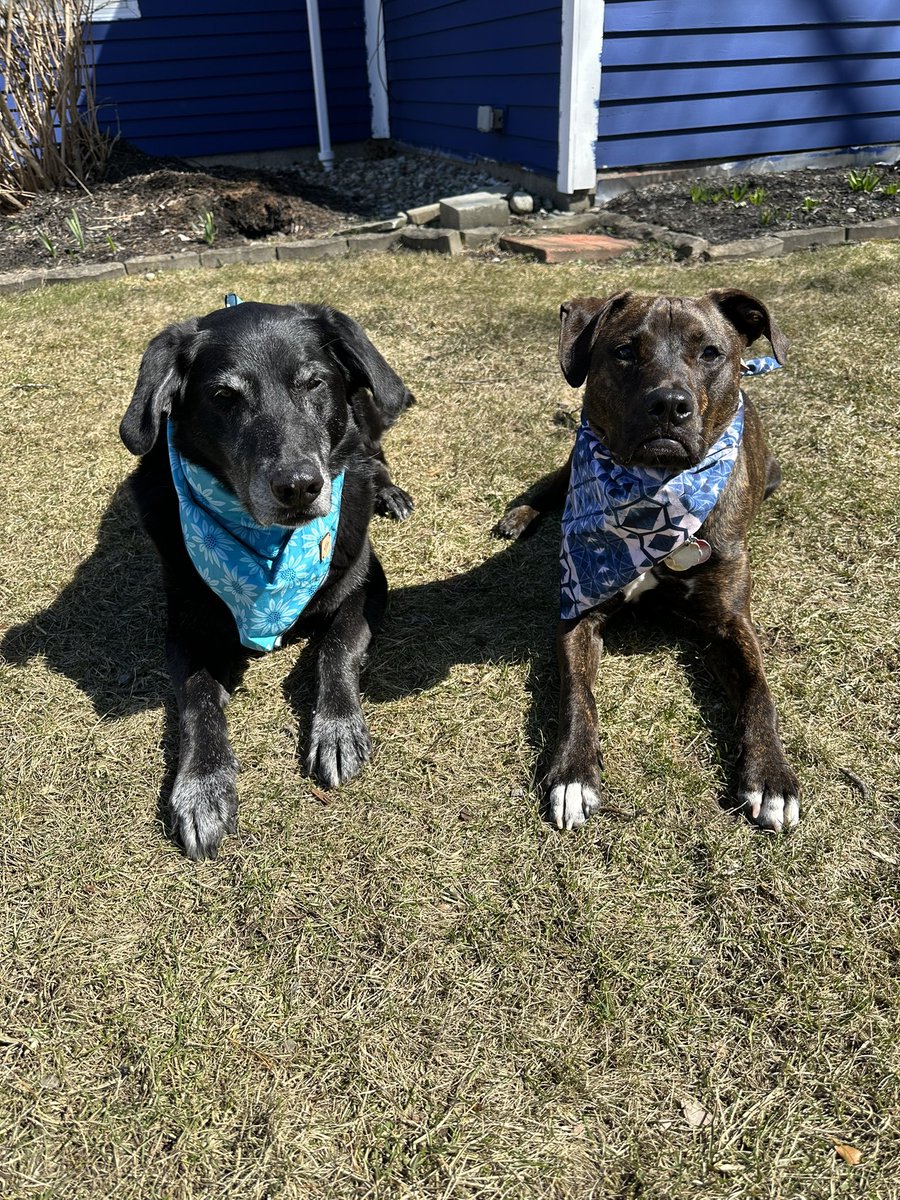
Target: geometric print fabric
x: 619, y: 521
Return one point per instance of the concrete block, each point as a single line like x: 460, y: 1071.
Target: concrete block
x: 230, y: 255
x: 312, y: 248
x: 474, y: 210
x: 760, y: 247
x: 474, y: 239
x: 367, y: 243
x: 85, y: 272
x: 887, y: 227
x: 435, y: 241
x: 162, y: 262
x: 388, y: 225
x: 423, y: 214
x: 589, y: 247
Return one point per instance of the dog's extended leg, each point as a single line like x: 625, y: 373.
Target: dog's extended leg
x: 573, y: 781
x: 548, y: 493
x: 767, y: 789
x: 390, y: 500
x: 339, y: 738
x: 203, y: 802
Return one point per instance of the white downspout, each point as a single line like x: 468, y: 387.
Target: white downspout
x: 377, y: 63
x: 326, y: 154
x: 579, y: 94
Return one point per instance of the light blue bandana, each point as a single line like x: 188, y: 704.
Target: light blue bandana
x: 267, y: 575
x: 619, y: 521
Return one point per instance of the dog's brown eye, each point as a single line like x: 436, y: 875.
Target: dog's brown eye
x: 624, y: 354
x: 711, y: 353
x: 226, y: 395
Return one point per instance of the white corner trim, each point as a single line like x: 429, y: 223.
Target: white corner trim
x: 377, y: 66
x: 579, y: 93
x: 115, y: 10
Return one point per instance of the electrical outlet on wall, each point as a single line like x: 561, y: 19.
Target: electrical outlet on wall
x: 490, y: 120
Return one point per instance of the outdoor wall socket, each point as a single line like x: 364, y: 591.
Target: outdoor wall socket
x: 490, y: 120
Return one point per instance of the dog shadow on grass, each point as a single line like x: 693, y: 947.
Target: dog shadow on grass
x: 106, y: 632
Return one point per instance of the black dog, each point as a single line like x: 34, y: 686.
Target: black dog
x: 275, y: 402
x: 663, y: 383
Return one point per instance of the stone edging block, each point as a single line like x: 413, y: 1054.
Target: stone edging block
x: 311, y: 248
x: 146, y: 263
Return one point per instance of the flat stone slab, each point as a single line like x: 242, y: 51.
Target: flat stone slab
x: 565, y: 247
x: 84, y: 273
x: 311, y: 248
x: 885, y: 227
x: 366, y: 243
x: 423, y: 214
x: 146, y: 263
x: 821, y: 235
x: 434, y: 241
x: 21, y: 281
x: 760, y: 247
x: 474, y: 210
x: 474, y: 239
x: 230, y: 255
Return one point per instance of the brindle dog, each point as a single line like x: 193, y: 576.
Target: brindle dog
x: 663, y: 383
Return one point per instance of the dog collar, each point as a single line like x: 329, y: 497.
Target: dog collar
x: 266, y: 574
x: 620, y: 521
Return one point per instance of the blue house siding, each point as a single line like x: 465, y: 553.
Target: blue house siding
x: 222, y: 77
x: 444, y: 59
x: 685, y: 80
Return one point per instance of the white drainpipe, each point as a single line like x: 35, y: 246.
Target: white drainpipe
x: 326, y: 154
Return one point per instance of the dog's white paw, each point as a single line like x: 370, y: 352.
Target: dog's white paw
x: 203, y: 810
x: 770, y: 810
x: 571, y: 804
x: 338, y: 747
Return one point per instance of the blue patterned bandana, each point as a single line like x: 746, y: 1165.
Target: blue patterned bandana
x: 620, y: 522
x: 267, y: 575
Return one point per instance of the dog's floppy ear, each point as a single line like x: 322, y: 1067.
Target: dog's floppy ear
x: 750, y: 317
x: 580, y: 320
x: 367, y: 368
x: 159, y: 380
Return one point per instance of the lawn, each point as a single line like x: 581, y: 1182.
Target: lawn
x: 414, y: 987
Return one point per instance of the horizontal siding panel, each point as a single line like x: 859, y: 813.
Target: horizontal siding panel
x: 657, y: 15
x: 685, y: 80
x: 712, y: 79
x: 446, y: 59
x: 758, y: 108
x: 668, y: 49
x: 218, y: 76
x: 637, y: 150
x: 470, y: 15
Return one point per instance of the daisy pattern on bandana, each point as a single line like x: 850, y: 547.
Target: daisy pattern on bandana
x: 267, y: 575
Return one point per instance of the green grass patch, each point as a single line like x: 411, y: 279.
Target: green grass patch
x: 418, y: 989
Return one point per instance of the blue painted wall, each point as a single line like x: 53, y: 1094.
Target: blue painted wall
x: 227, y: 76
x: 444, y: 59
x: 685, y: 80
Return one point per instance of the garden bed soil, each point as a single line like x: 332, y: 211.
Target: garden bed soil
x: 743, y: 206
x: 149, y: 205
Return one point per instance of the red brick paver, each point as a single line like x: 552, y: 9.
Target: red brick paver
x: 563, y: 247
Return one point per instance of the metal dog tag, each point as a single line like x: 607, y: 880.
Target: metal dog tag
x: 691, y: 554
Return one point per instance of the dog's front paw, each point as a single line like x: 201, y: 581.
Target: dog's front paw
x: 770, y: 797
x: 393, y: 502
x: 203, y: 809
x: 338, y: 748
x: 571, y: 804
x: 515, y: 521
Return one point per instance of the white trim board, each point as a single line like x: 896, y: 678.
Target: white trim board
x: 115, y: 10
x: 579, y: 94
x: 376, y: 63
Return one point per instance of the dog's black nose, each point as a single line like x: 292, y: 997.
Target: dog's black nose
x: 672, y: 405
x: 298, y: 487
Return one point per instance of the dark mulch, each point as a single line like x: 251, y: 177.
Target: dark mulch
x: 148, y: 205
x: 722, y: 210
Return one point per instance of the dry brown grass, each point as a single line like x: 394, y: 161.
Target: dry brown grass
x: 418, y: 989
